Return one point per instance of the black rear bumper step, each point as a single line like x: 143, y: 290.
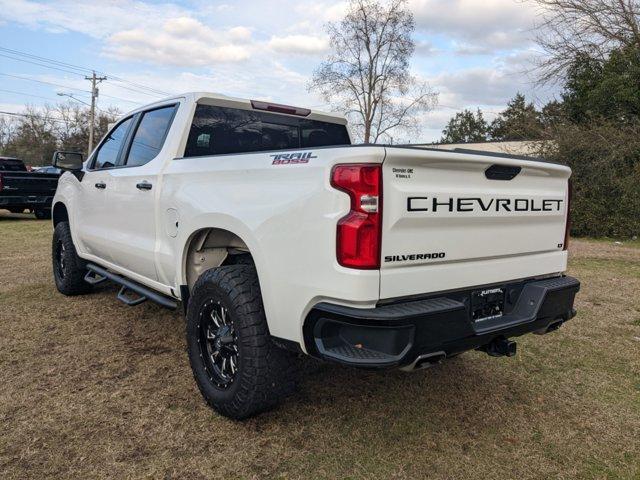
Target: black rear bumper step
x: 399, y: 333
x: 144, y: 293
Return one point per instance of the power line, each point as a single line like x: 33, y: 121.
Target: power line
x: 39, y: 96
x: 67, y: 87
x: 57, y: 65
x: 71, y: 72
x: 40, y: 64
x: 139, y: 85
x: 26, y: 94
x: 155, y: 95
x: 44, y: 82
x: 30, y: 115
x: 121, y: 99
x: 43, y: 59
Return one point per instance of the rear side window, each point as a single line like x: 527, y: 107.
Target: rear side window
x: 150, y: 135
x: 12, y: 166
x: 220, y: 130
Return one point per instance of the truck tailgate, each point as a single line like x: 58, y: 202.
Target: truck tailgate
x: 455, y: 220
x: 29, y: 184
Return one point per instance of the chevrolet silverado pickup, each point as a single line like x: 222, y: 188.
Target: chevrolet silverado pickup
x: 279, y: 238
x: 22, y: 190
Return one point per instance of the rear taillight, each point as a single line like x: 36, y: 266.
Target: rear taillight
x: 567, y: 226
x: 359, y: 233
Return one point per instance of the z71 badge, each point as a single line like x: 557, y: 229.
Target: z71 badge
x: 292, y: 158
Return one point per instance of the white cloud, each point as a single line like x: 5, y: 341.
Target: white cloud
x: 484, y: 26
x: 95, y: 19
x: 181, y: 41
x: 322, y: 11
x: 299, y: 44
x: 135, y: 30
x: 239, y: 34
x: 476, y: 86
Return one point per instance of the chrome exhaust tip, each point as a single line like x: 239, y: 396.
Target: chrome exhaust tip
x: 425, y: 361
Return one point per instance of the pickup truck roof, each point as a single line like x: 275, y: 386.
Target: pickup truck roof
x: 210, y: 98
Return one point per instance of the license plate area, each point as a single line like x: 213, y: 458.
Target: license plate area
x: 487, y: 304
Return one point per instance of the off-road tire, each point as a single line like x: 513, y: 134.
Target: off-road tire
x: 265, y: 374
x: 68, y: 276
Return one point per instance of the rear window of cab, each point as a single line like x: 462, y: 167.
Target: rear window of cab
x: 222, y: 130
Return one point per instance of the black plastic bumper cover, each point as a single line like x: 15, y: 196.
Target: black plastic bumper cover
x: 396, y: 334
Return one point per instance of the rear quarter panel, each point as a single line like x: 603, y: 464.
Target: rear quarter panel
x: 287, y: 216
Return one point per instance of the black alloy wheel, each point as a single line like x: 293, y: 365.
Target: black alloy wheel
x: 218, y: 343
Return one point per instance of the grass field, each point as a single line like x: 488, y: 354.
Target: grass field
x: 90, y: 388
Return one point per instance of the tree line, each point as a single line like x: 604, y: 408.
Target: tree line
x: 594, y: 92
x: 519, y: 121
x: 35, y: 133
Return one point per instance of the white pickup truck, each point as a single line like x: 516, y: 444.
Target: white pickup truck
x: 279, y: 237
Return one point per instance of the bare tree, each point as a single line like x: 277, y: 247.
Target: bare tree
x: 591, y: 28
x: 367, y: 75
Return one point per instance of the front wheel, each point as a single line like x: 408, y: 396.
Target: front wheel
x: 238, y: 369
x: 68, y: 268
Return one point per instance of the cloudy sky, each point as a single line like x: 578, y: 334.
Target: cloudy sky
x: 473, y: 52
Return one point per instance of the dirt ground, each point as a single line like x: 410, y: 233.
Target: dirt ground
x: 91, y: 388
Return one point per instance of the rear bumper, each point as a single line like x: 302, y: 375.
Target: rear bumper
x: 26, y: 201
x: 397, y: 334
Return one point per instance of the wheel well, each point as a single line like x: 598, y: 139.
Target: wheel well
x: 211, y: 248
x: 59, y: 213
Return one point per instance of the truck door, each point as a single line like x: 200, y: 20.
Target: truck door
x: 132, y: 224
x: 92, y: 216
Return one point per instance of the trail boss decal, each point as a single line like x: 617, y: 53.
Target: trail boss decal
x: 477, y: 204
x: 292, y: 158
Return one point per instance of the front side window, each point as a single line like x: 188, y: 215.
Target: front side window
x: 149, y: 137
x: 221, y: 130
x: 107, y: 154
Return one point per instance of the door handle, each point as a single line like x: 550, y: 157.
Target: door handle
x: 144, y: 186
x: 101, y: 185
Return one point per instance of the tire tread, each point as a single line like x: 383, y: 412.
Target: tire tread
x: 268, y: 373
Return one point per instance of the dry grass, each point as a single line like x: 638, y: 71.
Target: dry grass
x: 91, y: 388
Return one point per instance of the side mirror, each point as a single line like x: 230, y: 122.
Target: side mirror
x: 71, y: 161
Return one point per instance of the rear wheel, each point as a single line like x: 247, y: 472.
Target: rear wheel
x: 238, y: 369
x: 68, y: 268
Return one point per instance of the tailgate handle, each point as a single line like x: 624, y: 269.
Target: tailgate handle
x: 501, y: 172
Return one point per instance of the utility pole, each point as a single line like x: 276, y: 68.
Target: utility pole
x: 92, y: 113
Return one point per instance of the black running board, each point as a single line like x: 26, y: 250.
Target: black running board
x: 144, y: 293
